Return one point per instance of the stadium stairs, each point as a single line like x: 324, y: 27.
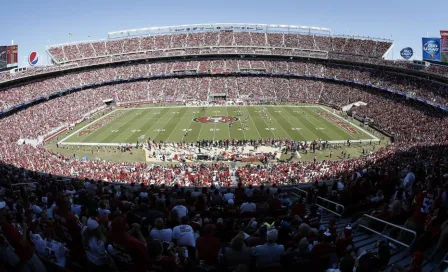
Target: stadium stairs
x: 366, y: 239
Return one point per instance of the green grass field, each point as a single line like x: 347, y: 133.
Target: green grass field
x: 170, y: 123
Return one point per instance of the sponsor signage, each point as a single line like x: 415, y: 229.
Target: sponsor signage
x: 33, y: 58
x: 431, y: 49
x: 406, y: 53
x: 444, y: 46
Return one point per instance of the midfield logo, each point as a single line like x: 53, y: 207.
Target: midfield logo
x: 215, y: 119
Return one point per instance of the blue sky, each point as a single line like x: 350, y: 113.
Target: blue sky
x: 35, y: 24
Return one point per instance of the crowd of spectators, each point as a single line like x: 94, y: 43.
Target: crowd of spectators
x: 412, y: 123
x: 340, y: 44
x: 85, y: 224
x: 149, y: 226
x: 274, y: 88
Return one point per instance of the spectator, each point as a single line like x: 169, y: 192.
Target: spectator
x: 208, y: 246
x: 184, y: 234
x: 94, y: 241
x: 237, y: 253
x: 159, y: 233
x: 270, y: 252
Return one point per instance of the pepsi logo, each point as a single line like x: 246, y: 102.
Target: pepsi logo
x: 33, y: 58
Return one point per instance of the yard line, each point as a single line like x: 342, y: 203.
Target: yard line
x: 180, y: 122
x: 149, y: 130
x: 86, y: 126
x: 191, y: 121
x: 122, y: 132
x: 356, y: 126
x: 320, y: 122
x: 165, y: 124
x: 227, y: 111
x: 287, y: 119
x: 275, y: 119
x: 255, y: 126
x: 302, y: 124
x: 239, y: 120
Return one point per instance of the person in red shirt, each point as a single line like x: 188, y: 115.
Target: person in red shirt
x: 18, y: 242
x: 299, y: 208
x: 322, y: 249
x: 424, y: 205
x: 68, y: 228
x: 208, y: 246
x: 128, y: 251
x: 344, y: 241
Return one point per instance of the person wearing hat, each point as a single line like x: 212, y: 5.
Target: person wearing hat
x: 322, y: 248
x: 94, y: 241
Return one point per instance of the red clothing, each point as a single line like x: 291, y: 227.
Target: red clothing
x: 14, y: 238
x: 69, y: 229
x: 341, y: 245
x: 320, y: 250
x: 425, y: 202
x: 131, y: 252
x: 299, y: 209
x: 208, y: 249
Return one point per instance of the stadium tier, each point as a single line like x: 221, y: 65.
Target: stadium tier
x: 203, y: 39
x: 410, y: 85
x: 396, y: 192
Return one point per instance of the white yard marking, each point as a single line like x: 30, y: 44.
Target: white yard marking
x: 86, y: 126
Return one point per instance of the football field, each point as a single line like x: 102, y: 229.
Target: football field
x: 189, y: 124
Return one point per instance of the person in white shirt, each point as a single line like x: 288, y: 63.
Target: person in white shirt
x: 184, y: 234
x: 408, y: 181
x: 94, y: 241
x: 76, y: 208
x: 181, y: 209
x: 248, y: 206
x: 103, y: 212
x: 159, y: 233
x: 228, y: 195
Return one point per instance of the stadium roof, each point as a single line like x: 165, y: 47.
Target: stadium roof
x: 218, y: 27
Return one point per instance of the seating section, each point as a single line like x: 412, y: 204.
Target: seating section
x: 287, y: 89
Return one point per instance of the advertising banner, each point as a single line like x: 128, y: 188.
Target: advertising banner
x: 431, y: 49
x: 3, y: 56
x: 406, y: 53
x: 444, y: 46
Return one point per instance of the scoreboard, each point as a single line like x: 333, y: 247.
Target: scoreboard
x: 9, y: 56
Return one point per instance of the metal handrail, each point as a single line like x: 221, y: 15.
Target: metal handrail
x: 332, y: 202
x: 444, y: 260
x: 382, y: 234
x: 300, y: 191
x: 24, y: 183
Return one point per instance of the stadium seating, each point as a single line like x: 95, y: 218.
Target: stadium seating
x: 397, y: 193
x: 416, y: 87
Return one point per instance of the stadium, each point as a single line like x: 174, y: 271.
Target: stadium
x: 309, y: 119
